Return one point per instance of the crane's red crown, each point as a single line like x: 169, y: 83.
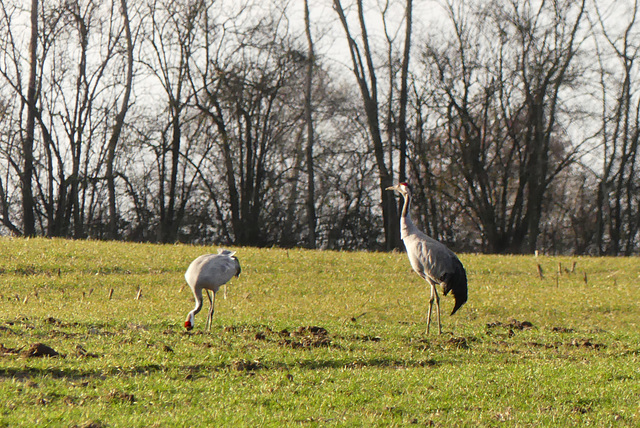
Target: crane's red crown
x: 405, y: 185
x: 187, y: 325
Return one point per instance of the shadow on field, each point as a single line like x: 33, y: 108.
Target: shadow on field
x: 51, y: 372
x: 205, y: 370
x: 242, y: 365
x: 76, y: 374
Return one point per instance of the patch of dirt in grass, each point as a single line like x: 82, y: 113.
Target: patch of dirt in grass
x: 512, y: 324
x: 246, y: 328
x: 543, y: 345
x: 39, y: 350
x: 83, y: 353
x: 439, y: 342
x: 162, y: 346
x: 422, y: 346
x: 576, y: 343
x: 243, y: 365
x: 9, y: 351
x: 586, y: 344
x: 121, y: 397
x: 510, y: 327
x: 58, y: 323
x: 90, y: 424
x: 261, y: 335
x: 63, y: 334
x: 581, y: 409
x: 52, y: 321
x: 306, y: 337
x: 562, y: 330
x: 458, y: 342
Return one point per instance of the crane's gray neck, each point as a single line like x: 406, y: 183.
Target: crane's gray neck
x: 198, y: 296
x: 406, y: 225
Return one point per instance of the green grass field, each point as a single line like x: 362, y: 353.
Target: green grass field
x: 313, y: 338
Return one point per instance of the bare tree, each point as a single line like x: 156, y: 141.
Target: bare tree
x: 119, y: 124
x: 171, y: 44
x: 503, y: 110
x: 74, y: 83
x: 10, y: 147
x: 247, y: 88
x: 404, y: 95
x: 28, y: 217
x: 364, y: 71
x: 618, y: 221
x: 81, y: 79
x: 308, y: 105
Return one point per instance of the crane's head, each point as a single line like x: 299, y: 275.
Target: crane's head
x: 402, y: 188
x: 188, y: 324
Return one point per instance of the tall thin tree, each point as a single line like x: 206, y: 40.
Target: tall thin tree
x: 119, y: 123
x: 28, y: 141
x: 308, y: 105
x: 402, y: 115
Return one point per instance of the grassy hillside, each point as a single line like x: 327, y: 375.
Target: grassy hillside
x: 311, y: 338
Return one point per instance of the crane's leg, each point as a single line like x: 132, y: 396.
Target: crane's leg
x: 435, y: 290
x: 212, y: 303
x: 434, y: 299
x: 430, y: 306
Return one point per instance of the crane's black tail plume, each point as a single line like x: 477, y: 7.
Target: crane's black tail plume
x: 456, y: 282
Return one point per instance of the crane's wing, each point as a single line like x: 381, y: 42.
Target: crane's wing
x: 456, y: 282
x: 432, y: 260
x: 212, y: 270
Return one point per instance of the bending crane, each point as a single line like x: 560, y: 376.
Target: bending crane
x: 209, y: 272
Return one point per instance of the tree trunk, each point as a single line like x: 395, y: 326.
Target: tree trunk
x: 28, y: 142
x: 369, y: 90
x: 112, y: 232
x: 169, y: 225
x: 402, y: 115
x: 310, y: 201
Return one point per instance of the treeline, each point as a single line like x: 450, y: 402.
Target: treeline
x: 281, y: 123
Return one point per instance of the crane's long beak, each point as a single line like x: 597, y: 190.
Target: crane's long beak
x: 392, y: 187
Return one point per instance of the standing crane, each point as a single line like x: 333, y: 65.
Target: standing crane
x: 209, y: 272
x: 431, y: 259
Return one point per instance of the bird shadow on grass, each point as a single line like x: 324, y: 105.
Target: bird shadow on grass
x: 253, y: 366
x: 76, y: 374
